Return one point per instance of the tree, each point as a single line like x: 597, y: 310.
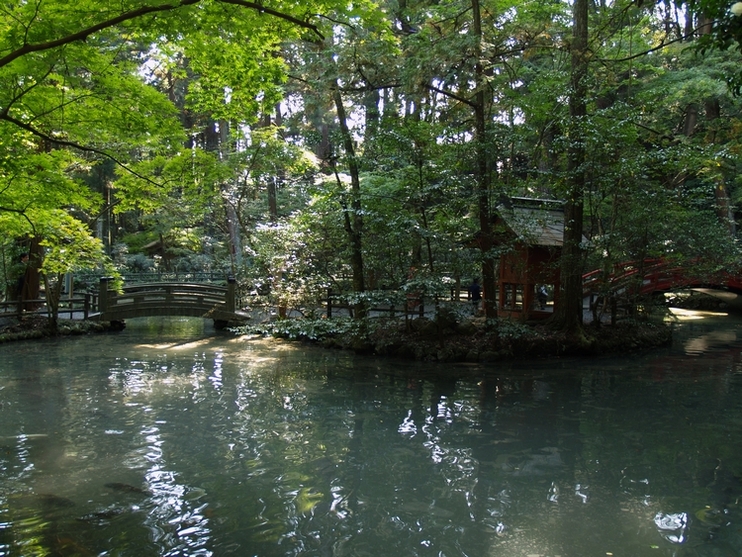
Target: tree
x: 73, y: 93
x: 571, y: 272
x: 432, y: 111
x: 68, y: 247
x: 458, y: 70
x: 719, y: 25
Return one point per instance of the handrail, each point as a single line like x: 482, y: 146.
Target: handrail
x: 83, y: 304
x: 162, y: 298
x: 649, y: 276
x: 189, y: 277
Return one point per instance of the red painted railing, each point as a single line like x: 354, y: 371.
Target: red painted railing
x: 653, y: 275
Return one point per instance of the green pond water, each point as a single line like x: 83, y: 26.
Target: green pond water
x: 169, y: 439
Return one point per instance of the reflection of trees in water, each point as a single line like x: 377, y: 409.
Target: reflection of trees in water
x: 303, y: 452
x: 622, y: 439
x: 527, y: 451
x: 35, y: 498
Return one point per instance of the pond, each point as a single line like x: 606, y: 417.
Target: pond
x: 171, y: 439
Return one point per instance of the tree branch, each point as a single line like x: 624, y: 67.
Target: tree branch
x: 139, y: 12
x: 450, y: 95
x: 85, y: 33
x: 21, y: 212
x: 16, y: 97
x: 660, y: 46
x: 79, y: 147
x: 280, y: 15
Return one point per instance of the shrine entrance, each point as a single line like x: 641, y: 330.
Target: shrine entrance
x: 529, y: 232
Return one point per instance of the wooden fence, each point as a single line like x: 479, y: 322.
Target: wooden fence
x: 410, y: 304
x: 78, y: 306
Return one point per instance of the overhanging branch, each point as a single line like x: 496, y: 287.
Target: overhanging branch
x: 280, y: 15
x: 450, y: 95
x: 83, y: 34
x: 74, y: 145
x: 20, y: 212
x: 660, y: 46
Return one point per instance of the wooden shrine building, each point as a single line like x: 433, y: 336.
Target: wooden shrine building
x: 529, y: 233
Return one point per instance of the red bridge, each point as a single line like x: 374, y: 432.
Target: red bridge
x: 635, y: 279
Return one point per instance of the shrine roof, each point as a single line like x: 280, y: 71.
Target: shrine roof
x: 537, y: 222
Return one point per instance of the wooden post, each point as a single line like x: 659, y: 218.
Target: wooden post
x: 282, y: 309
x: 528, y: 290
x: 103, y: 295
x: 614, y: 310
x: 230, y: 302
x: 69, y: 283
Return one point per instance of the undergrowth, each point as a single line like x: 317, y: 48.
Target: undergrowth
x: 306, y: 329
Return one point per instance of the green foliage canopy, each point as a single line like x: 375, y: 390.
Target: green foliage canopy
x: 74, y: 88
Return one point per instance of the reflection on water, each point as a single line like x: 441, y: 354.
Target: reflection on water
x: 168, y: 439
x: 714, y: 339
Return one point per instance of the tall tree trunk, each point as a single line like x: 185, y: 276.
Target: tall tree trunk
x: 723, y: 203
x: 32, y: 287
x: 272, y: 199
x: 724, y: 209
x: 271, y: 182
x: 235, y: 240
x: 371, y: 101
x: 233, y: 222
x: 486, y: 242
x: 353, y: 215
x: 53, y: 293
x: 691, y: 120
x: 570, y: 306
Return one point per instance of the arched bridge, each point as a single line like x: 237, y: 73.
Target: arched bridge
x: 164, y: 298
x: 657, y: 275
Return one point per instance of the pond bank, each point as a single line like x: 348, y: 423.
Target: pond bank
x: 473, y: 342
x: 37, y: 327
x: 421, y: 339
